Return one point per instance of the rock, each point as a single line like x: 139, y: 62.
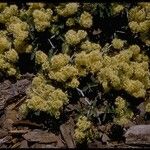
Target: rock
x: 69, y: 108
x: 9, y: 119
x: 27, y: 123
x: 138, y: 135
x: 2, y: 104
x: 28, y: 76
x: 67, y: 133
x: 3, y: 146
x: 3, y: 133
x: 14, y: 140
x: 37, y: 145
x: 10, y: 92
x: 60, y: 143
x: 11, y: 114
x: 102, y: 128
x: 105, y: 138
x: 16, y: 145
x: 40, y: 137
x: 97, y: 32
x: 130, y: 124
x: 95, y: 144
x: 6, y: 139
x: 7, y: 124
x: 17, y: 132
x: 24, y: 144
x: 141, y: 107
x: 22, y: 85
x: 2, y: 119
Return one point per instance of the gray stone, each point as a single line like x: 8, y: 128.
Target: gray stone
x: 138, y: 135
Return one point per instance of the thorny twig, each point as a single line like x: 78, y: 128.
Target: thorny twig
x: 51, y: 44
x: 120, y: 31
x: 52, y: 36
x: 81, y: 92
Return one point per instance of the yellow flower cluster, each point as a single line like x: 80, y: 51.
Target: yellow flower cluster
x: 59, y: 61
x: 11, y: 56
x: 88, y: 62
x: 147, y: 109
x: 7, y: 61
x: 134, y: 87
x: 67, y: 9
x: 58, y: 68
x: 5, y: 44
x: 44, y: 97
x: 33, y: 6
x: 90, y: 46
x: 139, y: 21
x: 40, y: 57
x: 86, y: 20
x: 7, y: 13
x: 74, y: 83
x: 20, y: 31
x: 116, y: 8
x: 18, y: 28
x: 123, y: 114
x: 70, y: 22
x: 117, y: 43
x: 65, y: 73
x: 83, y: 131
x: 2, y: 6
x: 28, y: 48
x: 8, y: 56
x: 127, y: 70
x: 42, y: 18
x: 73, y: 38
x: 23, y: 13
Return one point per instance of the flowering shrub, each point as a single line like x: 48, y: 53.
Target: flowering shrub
x: 75, y: 47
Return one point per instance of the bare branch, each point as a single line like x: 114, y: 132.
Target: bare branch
x: 51, y: 43
x: 85, y: 98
